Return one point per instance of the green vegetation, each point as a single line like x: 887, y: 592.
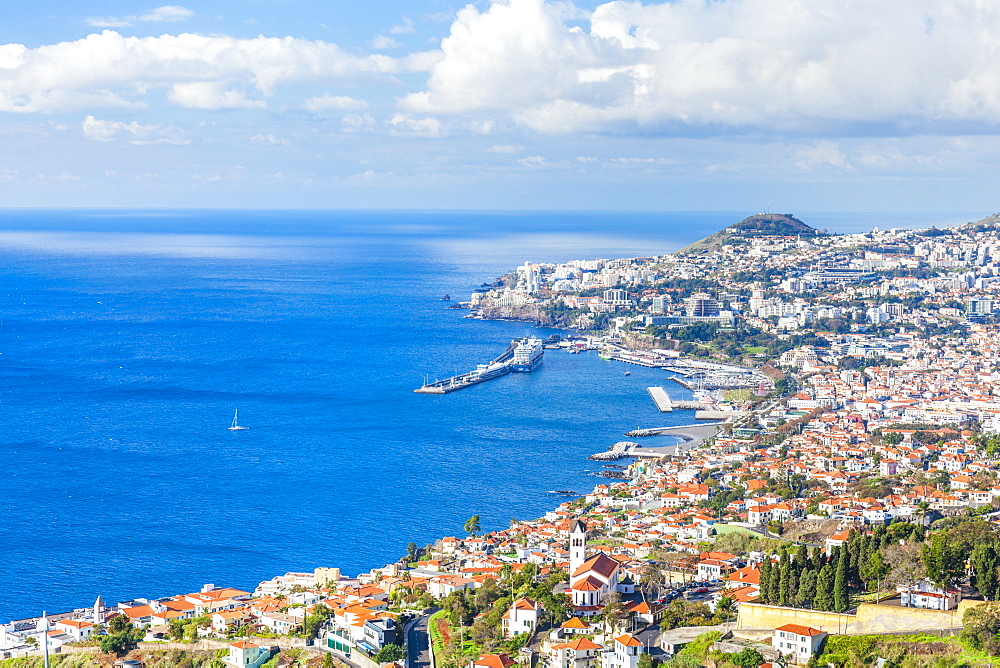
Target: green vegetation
x: 470, y: 622
x: 695, y: 652
x: 808, y: 579
x: 901, y: 651
x: 389, y: 653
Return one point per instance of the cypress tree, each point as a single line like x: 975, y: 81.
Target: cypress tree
x: 785, y: 583
x: 765, y: 580
x: 807, y: 589
x: 841, y: 596
x: 801, y: 559
x: 984, y: 560
x: 880, y: 535
x: 823, y: 600
x: 793, y: 587
x: 817, y: 559
x: 854, y: 549
x: 774, y: 583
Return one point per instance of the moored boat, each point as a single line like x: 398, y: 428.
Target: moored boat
x: 528, y: 354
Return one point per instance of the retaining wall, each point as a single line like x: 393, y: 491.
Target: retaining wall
x: 755, y: 618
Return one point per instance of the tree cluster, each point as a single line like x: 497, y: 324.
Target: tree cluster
x: 121, y: 635
x: 810, y: 579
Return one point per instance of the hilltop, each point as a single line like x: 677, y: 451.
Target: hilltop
x: 757, y: 225
x: 988, y: 223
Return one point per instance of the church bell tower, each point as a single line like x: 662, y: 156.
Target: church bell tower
x: 577, y: 545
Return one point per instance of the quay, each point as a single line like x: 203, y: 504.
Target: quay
x: 668, y: 405
x: 460, y: 381
x: 661, y: 399
x: 499, y: 366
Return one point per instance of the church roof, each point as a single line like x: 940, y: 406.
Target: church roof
x: 588, y: 584
x: 601, y: 564
x: 577, y: 526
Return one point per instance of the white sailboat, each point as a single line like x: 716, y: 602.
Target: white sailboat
x: 236, y: 425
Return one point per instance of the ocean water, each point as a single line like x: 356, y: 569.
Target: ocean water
x: 128, y: 339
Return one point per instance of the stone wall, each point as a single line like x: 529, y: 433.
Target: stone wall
x: 755, y: 618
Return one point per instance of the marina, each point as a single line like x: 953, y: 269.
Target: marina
x: 686, y: 372
x: 703, y: 411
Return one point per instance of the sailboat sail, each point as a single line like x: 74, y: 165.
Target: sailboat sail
x: 236, y: 424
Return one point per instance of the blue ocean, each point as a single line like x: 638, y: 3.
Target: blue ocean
x: 129, y: 338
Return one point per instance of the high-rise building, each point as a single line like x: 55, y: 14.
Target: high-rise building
x: 702, y: 305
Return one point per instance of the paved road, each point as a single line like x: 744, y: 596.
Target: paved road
x: 650, y: 637
x: 418, y: 643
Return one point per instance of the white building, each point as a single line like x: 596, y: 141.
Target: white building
x: 624, y: 653
x: 247, y: 655
x: 591, y: 580
x: 521, y: 618
x: 797, y: 643
x: 926, y: 595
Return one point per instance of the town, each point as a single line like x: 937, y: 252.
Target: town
x: 844, y: 512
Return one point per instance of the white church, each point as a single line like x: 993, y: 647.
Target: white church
x: 592, y: 580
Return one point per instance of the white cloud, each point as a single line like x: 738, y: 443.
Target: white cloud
x: 822, y: 154
x: 327, y: 102
x: 210, y: 95
x: 358, y: 122
x: 534, y: 161
x: 503, y: 148
x: 106, y: 22
x: 134, y: 132
x: 169, y: 13
x: 421, y: 127
x: 383, y: 42
x: 269, y: 140
x: 888, y: 156
x: 405, y: 28
x: 61, y: 177
x: 802, y: 66
x: 108, y: 70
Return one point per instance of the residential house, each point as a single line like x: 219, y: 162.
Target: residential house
x: 797, y: 643
x: 246, y: 654
x: 522, y: 617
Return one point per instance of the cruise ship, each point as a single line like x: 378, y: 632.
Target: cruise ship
x: 527, y: 354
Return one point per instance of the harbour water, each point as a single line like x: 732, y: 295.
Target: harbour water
x: 127, y: 340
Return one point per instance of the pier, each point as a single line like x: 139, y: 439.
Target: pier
x: 668, y: 405
x: 499, y: 366
x: 661, y: 399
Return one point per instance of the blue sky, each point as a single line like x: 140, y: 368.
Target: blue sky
x: 513, y: 104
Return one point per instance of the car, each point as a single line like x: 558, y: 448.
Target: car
x: 701, y: 590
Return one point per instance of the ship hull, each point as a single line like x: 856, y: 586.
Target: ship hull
x: 526, y: 367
